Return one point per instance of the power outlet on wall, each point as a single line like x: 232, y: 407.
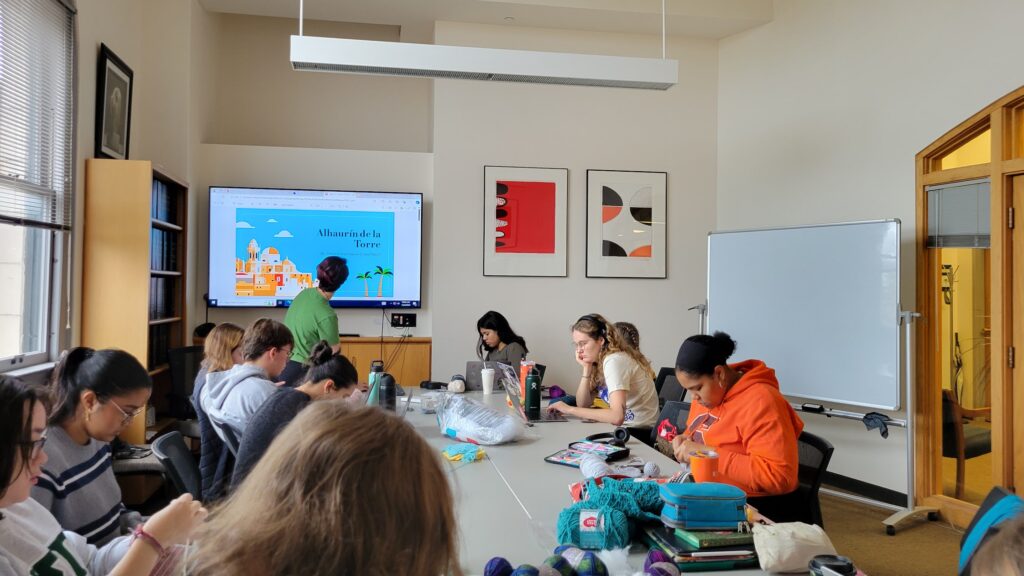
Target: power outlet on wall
x: 406, y: 320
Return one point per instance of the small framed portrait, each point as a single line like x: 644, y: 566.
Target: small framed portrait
x: 113, y: 105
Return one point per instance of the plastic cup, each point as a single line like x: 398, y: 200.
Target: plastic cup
x: 487, y: 378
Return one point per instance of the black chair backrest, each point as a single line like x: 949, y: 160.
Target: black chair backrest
x: 815, y: 453
x: 676, y: 413
x: 669, y: 389
x: 183, y: 366
x: 179, y: 463
x: 952, y: 425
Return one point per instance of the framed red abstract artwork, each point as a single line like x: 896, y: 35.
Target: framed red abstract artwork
x: 626, y: 224
x: 525, y: 211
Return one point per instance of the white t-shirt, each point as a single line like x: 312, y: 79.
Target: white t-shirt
x: 623, y: 373
x: 32, y: 542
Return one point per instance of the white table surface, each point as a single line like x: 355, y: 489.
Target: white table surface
x: 508, y: 504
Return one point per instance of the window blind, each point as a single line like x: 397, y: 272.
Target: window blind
x: 959, y: 215
x: 36, y: 113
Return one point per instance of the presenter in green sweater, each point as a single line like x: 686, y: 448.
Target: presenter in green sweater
x: 311, y: 318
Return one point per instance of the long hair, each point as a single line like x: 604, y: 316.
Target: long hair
x: 106, y: 373
x: 324, y: 364
x: 17, y: 401
x: 597, y: 326
x: 495, y: 321
x: 339, y: 491
x: 220, y: 343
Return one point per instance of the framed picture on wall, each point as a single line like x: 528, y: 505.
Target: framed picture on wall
x: 525, y: 215
x: 114, y: 81
x: 626, y: 220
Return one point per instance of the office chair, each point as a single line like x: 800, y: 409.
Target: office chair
x: 179, y: 464
x: 962, y: 440
x: 669, y: 389
x: 815, y: 454
x: 183, y: 366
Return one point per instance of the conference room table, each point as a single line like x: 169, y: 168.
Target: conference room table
x: 507, y: 504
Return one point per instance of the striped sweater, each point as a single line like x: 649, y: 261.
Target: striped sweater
x: 78, y: 487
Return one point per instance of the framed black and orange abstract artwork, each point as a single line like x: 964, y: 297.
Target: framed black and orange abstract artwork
x: 525, y: 215
x: 626, y: 219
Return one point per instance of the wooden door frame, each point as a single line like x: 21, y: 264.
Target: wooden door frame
x: 1005, y: 119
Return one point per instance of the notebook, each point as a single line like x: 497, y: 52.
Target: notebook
x: 511, y: 384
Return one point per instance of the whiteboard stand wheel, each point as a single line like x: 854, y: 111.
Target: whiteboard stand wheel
x: 903, y: 516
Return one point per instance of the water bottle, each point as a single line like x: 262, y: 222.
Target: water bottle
x: 533, y: 394
x: 376, y: 372
x: 388, y: 392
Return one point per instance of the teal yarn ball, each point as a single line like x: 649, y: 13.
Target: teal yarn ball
x: 498, y: 566
x: 526, y: 570
x: 591, y: 565
x: 561, y: 566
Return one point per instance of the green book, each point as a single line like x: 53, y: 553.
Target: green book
x: 714, y: 538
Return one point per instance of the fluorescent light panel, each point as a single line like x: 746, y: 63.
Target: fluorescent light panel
x: 467, y: 63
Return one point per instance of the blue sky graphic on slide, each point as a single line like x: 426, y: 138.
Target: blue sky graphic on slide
x: 365, y: 239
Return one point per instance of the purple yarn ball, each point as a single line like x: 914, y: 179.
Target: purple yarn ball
x: 498, y: 566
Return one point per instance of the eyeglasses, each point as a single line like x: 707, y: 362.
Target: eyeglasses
x: 128, y: 416
x: 581, y: 344
x: 35, y: 446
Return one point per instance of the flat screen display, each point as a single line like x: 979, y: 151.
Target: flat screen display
x: 265, y: 244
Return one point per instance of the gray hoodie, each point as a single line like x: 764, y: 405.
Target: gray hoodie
x: 230, y: 398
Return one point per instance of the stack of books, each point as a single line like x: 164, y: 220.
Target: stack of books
x: 695, y: 551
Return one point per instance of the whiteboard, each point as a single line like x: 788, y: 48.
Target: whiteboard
x: 819, y: 304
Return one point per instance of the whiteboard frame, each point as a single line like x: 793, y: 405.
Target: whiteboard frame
x: 896, y: 314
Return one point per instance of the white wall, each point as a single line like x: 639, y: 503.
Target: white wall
x: 479, y: 123
x: 821, y: 113
x: 152, y: 38
x: 261, y: 166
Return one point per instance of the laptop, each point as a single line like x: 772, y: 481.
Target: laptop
x: 507, y: 375
x: 473, y: 380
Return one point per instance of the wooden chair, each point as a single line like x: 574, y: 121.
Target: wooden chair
x: 960, y: 439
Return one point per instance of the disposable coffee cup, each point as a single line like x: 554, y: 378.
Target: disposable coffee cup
x: 487, y: 378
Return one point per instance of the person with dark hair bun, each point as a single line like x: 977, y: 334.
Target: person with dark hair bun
x: 330, y: 375
x: 497, y: 342
x: 96, y: 394
x: 311, y: 318
x: 738, y: 411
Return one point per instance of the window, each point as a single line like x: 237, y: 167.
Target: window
x: 36, y: 161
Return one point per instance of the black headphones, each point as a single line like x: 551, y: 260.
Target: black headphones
x: 617, y: 438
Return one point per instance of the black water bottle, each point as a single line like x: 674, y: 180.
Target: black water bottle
x: 388, y: 392
x: 533, y: 394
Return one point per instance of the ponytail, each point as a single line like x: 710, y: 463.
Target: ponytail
x: 106, y: 373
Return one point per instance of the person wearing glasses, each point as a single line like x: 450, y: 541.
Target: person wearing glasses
x: 32, y: 541
x: 615, y: 372
x: 231, y: 398
x: 222, y: 351
x: 96, y: 394
x: 739, y: 412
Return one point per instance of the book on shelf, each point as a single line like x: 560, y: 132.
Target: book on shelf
x: 715, y: 538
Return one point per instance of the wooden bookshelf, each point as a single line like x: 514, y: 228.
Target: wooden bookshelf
x: 134, y: 273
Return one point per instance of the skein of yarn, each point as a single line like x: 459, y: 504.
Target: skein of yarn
x: 594, y: 466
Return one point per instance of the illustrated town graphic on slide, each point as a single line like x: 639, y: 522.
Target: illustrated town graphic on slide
x: 273, y: 262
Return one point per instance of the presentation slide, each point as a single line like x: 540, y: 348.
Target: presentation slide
x: 265, y: 245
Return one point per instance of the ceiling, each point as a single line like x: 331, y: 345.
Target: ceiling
x: 694, y: 18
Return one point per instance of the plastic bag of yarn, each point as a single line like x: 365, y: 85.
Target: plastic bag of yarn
x: 469, y: 420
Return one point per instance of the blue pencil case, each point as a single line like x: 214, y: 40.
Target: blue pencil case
x: 703, y: 506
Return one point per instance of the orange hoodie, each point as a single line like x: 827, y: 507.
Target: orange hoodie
x: 754, y: 430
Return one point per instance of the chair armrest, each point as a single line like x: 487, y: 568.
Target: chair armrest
x: 976, y: 412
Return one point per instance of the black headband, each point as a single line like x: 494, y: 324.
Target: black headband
x: 602, y: 330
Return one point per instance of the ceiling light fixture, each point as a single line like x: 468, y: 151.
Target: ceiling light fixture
x: 467, y: 63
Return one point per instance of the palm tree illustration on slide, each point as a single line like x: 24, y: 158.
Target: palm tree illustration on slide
x: 382, y: 272
x: 365, y: 277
